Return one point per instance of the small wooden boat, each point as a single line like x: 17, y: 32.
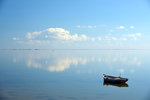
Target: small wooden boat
x: 112, y: 79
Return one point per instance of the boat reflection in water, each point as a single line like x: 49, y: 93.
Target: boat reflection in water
x: 116, y: 84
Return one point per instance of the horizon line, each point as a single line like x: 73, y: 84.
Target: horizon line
x: 70, y: 49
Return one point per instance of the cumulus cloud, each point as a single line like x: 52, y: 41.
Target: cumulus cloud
x: 84, y: 37
x: 58, y: 30
x: 121, y: 27
x: 48, y: 35
x: 57, y: 33
x: 33, y: 34
x: 63, y: 34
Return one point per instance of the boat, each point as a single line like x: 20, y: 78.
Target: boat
x: 113, y: 79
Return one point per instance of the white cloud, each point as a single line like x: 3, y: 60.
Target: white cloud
x: 121, y: 27
x: 108, y: 38
x: 49, y: 34
x: 89, y: 26
x: 131, y: 27
x: 134, y: 36
x: 99, y: 38
x: 33, y: 34
x: 63, y: 34
x: 138, y: 34
x: 93, y: 39
x: 29, y: 35
x: 57, y: 33
x: 58, y: 30
x: 84, y: 37
x: 78, y: 26
x: 124, y: 39
x: 14, y: 38
x: 114, y: 38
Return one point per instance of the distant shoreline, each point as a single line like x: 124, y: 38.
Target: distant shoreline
x: 74, y: 49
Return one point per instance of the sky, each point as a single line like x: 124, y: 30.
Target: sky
x: 74, y: 24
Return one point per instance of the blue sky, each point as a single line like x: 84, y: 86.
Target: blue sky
x: 74, y: 24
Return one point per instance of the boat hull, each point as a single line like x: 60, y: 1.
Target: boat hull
x: 112, y: 79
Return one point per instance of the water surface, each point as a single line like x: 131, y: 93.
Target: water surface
x: 73, y: 74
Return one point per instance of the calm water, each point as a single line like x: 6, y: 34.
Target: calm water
x: 73, y: 74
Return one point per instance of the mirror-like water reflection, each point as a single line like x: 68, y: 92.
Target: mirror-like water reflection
x: 62, y: 60
x: 73, y: 74
x: 117, y: 85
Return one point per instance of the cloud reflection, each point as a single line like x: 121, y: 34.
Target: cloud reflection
x: 61, y: 61
x: 64, y: 64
